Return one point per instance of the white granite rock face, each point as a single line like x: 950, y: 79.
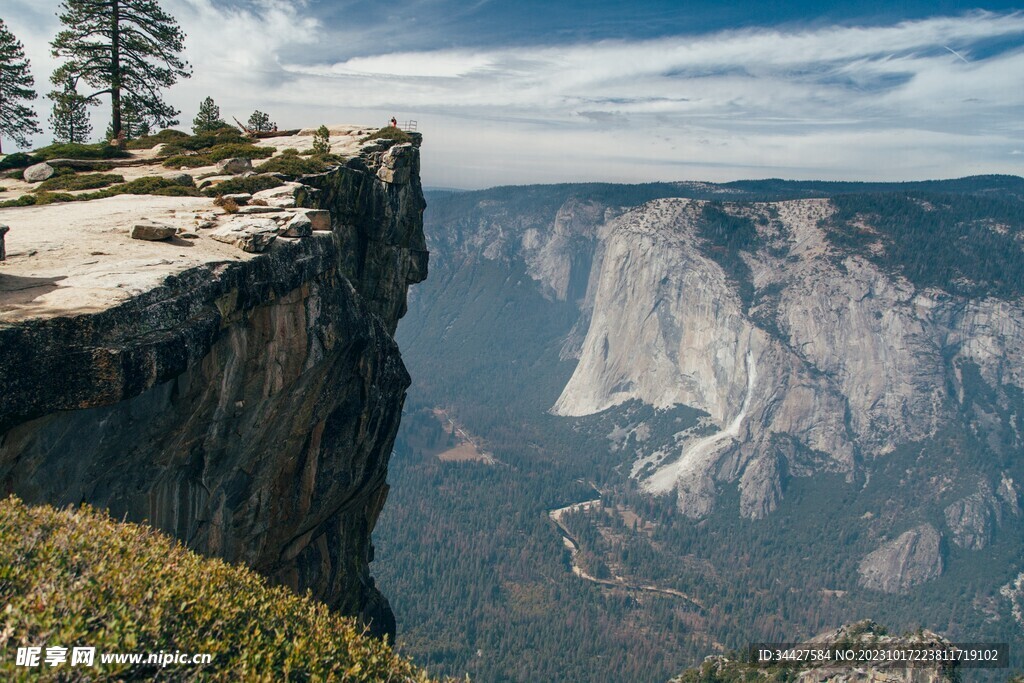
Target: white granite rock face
x: 831, y: 351
x: 911, y: 558
x: 253, y: 235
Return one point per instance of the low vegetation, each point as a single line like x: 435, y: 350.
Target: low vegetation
x: 251, y: 184
x: 389, y: 133
x: 18, y: 160
x: 294, y: 165
x: 147, y: 185
x: 208, y: 157
x: 166, y: 136
x: 84, y: 181
x: 74, y: 150
x: 77, y: 578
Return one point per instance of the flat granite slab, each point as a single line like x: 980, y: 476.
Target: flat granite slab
x: 75, y: 258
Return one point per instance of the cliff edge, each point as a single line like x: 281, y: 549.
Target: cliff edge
x: 245, y: 403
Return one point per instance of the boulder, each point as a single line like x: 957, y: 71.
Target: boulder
x: 152, y: 231
x: 282, y: 196
x: 240, y: 198
x: 37, y: 173
x: 319, y: 218
x: 253, y: 235
x: 213, y: 180
x: 256, y: 208
x: 234, y: 166
x: 298, y: 226
x: 179, y: 178
x: 3, y: 249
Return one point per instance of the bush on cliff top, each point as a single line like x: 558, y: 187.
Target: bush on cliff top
x: 250, y: 184
x: 295, y: 166
x: 77, y: 578
x: 74, y: 150
x: 167, y: 135
x: 217, y: 153
x: 84, y: 181
x: 146, y: 185
x: 389, y: 133
x: 18, y: 160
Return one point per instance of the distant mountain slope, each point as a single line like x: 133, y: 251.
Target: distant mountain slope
x: 810, y: 393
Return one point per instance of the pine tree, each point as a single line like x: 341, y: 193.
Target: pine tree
x: 208, y: 118
x: 16, y: 120
x: 127, y: 49
x: 322, y: 141
x: 69, y: 117
x: 134, y: 122
x: 260, y: 122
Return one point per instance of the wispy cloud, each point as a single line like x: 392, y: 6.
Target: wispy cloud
x: 926, y: 98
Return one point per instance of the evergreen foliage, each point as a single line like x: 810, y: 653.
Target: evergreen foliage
x: 322, y: 141
x: 260, y: 123
x: 208, y: 119
x: 17, y: 121
x: 69, y: 117
x: 75, y: 150
x: 127, y: 49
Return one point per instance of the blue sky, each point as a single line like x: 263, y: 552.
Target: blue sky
x: 566, y: 91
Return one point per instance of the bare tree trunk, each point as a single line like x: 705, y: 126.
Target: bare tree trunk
x: 115, y: 69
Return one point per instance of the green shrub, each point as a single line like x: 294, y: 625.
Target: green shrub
x: 237, y: 185
x: 23, y: 200
x: 239, y: 150
x: 168, y: 135
x: 86, y: 181
x: 291, y: 151
x: 54, y: 197
x: 389, y: 133
x: 195, y: 143
x: 322, y: 141
x: 18, y: 160
x: 295, y: 166
x: 77, y: 578
x: 74, y: 150
x: 149, y: 185
x: 188, y: 161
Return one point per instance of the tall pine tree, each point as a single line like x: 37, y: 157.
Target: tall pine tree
x: 128, y: 49
x: 69, y: 117
x: 208, y: 118
x: 16, y: 120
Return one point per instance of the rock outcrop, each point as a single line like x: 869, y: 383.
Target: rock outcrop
x: 864, y: 636
x: 807, y: 357
x: 246, y: 405
x: 913, y: 557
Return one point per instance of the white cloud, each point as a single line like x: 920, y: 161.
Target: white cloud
x: 909, y: 100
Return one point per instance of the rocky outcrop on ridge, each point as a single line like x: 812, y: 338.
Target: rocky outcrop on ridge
x: 244, y: 402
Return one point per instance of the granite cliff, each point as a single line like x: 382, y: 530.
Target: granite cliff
x: 872, y: 334
x: 245, y: 403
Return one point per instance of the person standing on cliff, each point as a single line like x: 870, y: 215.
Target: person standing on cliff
x: 394, y: 122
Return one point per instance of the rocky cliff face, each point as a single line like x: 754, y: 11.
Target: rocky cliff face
x: 827, y: 354
x: 247, y: 407
x: 819, y: 336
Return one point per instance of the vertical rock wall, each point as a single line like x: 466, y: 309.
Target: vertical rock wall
x: 247, y: 408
